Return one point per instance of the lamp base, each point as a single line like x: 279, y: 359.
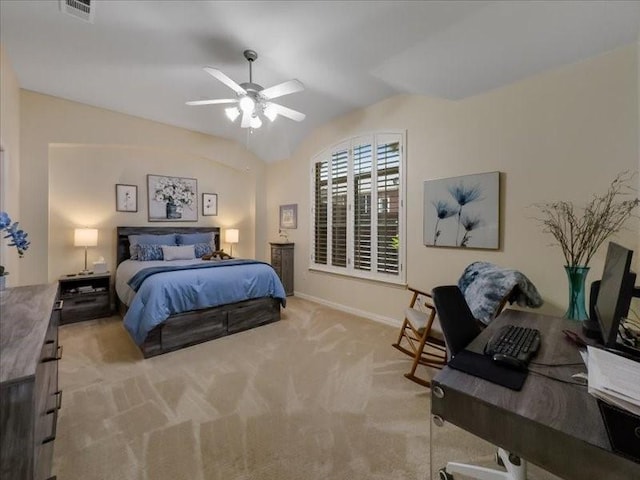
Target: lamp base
x: 86, y: 272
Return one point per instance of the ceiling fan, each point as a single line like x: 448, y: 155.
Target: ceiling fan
x: 253, y: 101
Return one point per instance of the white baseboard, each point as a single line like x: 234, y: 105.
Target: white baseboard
x: 394, y: 322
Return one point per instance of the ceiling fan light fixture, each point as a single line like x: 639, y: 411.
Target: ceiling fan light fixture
x: 232, y: 113
x: 247, y: 104
x: 270, y: 112
x: 256, y: 122
x: 253, y: 102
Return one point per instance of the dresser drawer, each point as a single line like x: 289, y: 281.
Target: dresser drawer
x: 47, y: 397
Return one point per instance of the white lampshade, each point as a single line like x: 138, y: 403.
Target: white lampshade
x: 247, y: 104
x: 270, y: 112
x: 256, y: 122
x: 85, y: 237
x: 231, y: 235
x: 232, y: 113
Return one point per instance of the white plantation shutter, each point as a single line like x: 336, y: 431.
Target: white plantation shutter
x: 388, y: 186
x: 358, y: 208
x: 321, y: 224
x: 338, y: 226
x: 362, y: 171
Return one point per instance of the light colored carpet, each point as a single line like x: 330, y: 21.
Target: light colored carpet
x: 319, y: 395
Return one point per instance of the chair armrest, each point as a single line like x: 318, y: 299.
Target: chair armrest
x: 419, y: 292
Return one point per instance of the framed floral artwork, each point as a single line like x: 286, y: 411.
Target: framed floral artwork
x: 289, y: 216
x: 172, y: 199
x: 209, y: 204
x: 126, y: 198
x: 462, y: 212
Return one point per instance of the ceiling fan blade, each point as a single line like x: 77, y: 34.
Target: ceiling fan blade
x: 246, y: 120
x: 214, y: 72
x: 289, y: 113
x: 282, y: 89
x: 213, y: 102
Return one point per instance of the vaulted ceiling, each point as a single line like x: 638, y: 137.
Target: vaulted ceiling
x: 145, y: 58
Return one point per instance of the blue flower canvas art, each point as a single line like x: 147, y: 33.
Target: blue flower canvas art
x: 462, y: 211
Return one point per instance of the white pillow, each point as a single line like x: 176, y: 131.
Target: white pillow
x: 179, y: 252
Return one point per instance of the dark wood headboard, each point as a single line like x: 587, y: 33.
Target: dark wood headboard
x: 122, y: 252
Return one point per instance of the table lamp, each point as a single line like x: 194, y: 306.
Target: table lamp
x: 85, y: 237
x: 231, y: 236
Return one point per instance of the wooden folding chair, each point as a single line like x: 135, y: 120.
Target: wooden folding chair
x: 421, y: 336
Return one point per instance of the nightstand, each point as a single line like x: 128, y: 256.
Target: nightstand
x: 282, y: 263
x: 85, y: 297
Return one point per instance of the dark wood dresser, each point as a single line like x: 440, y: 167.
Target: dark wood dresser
x: 29, y: 394
x: 282, y: 263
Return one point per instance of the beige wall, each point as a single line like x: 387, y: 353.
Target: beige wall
x: 10, y: 170
x: 561, y: 135
x: 82, y: 193
x: 74, y: 154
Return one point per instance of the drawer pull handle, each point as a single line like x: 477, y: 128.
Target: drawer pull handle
x: 86, y: 300
x: 56, y: 358
x: 58, y: 305
x: 54, y: 429
x: 58, y: 406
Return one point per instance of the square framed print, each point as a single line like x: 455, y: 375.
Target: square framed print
x: 172, y: 199
x: 126, y: 198
x: 289, y: 216
x: 209, y: 204
x: 462, y: 211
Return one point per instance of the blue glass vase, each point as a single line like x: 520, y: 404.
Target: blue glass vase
x: 577, y: 277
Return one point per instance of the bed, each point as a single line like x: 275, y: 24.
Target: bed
x: 201, y: 323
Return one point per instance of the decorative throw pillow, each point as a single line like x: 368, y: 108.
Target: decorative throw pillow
x: 148, y: 252
x: 179, y: 252
x: 149, y: 239
x: 194, y: 238
x: 202, y: 249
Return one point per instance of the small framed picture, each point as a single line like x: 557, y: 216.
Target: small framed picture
x: 289, y: 216
x: 126, y: 198
x: 209, y: 204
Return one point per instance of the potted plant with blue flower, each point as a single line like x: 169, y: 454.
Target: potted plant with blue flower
x: 17, y: 238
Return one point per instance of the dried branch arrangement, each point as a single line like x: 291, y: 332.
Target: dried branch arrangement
x: 581, y: 231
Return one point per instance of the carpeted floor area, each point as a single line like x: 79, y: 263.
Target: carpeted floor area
x: 319, y: 395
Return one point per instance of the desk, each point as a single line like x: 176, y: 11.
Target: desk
x: 548, y: 423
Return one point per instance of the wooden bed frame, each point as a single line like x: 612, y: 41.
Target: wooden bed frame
x: 197, y: 326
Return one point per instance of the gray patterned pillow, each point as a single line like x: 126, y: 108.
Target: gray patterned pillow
x: 148, y: 252
x: 202, y: 249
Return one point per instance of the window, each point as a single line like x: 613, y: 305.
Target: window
x: 358, y: 208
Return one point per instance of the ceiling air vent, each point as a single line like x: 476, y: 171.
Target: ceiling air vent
x: 83, y: 9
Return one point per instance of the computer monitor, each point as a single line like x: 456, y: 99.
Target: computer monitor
x: 614, y: 295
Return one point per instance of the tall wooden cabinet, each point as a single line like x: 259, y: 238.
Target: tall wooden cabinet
x: 29, y: 394
x: 282, y: 263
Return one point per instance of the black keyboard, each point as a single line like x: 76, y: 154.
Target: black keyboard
x: 520, y: 343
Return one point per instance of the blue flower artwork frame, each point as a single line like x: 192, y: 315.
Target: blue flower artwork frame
x: 462, y: 212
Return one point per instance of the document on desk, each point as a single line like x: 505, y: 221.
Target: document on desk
x: 614, y: 379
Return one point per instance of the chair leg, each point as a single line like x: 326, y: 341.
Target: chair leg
x: 515, y: 471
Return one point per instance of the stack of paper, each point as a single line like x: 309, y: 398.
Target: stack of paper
x: 614, y: 379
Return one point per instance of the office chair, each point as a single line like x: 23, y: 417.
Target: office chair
x: 459, y: 328
x: 421, y: 329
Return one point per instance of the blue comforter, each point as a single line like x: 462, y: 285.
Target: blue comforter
x: 176, y: 290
